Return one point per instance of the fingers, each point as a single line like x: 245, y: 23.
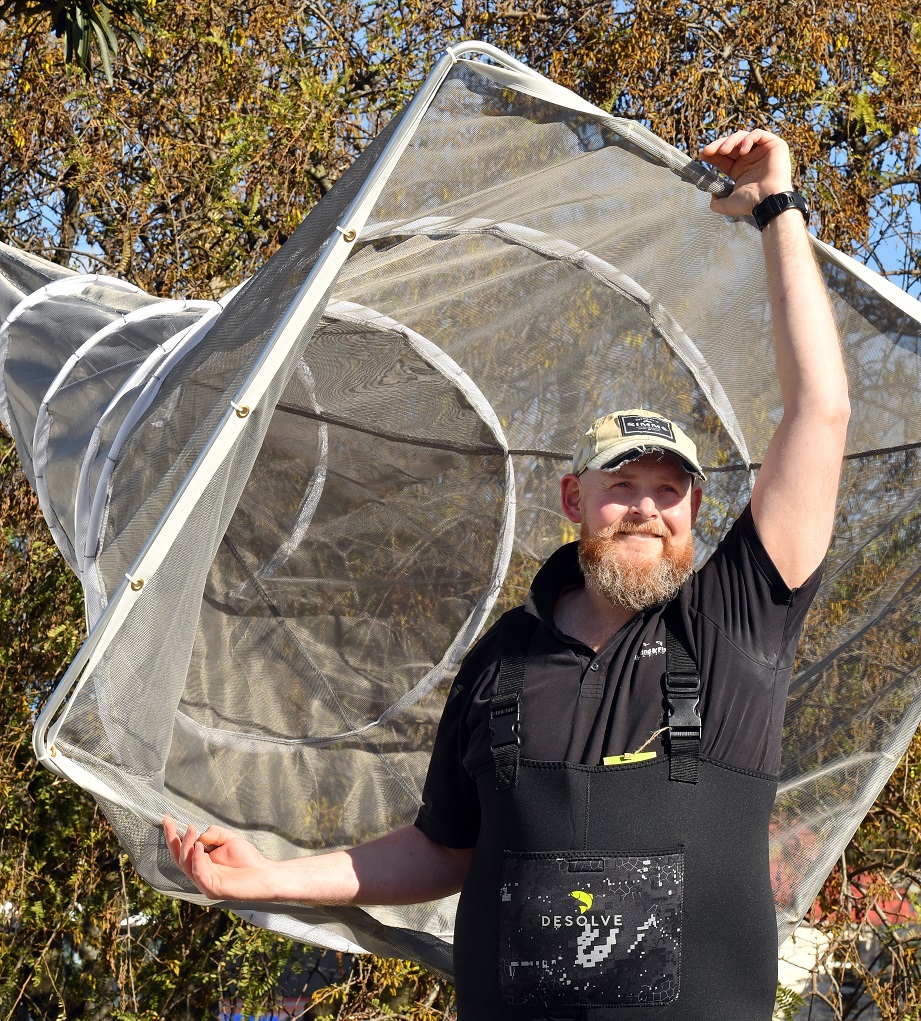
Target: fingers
x: 725, y: 145
x: 182, y: 848
x: 215, y: 858
x: 739, y: 143
x: 215, y: 836
x: 187, y: 852
x: 758, y: 161
x: 749, y: 155
x: 187, y: 846
x: 173, y: 840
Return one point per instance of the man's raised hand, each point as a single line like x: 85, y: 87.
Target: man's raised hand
x: 794, y: 496
x: 759, y: 163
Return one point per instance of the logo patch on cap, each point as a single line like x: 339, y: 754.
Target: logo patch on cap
x: 639, y: 425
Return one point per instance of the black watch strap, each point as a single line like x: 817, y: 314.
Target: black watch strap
x: 774, y: 205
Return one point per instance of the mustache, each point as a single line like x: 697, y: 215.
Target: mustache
x: 634, y: 528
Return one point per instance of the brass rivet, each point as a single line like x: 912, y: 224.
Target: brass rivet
x: 137, y: 584
x: 53, y: 751
x: 242, y: 411
x: 349, y: 235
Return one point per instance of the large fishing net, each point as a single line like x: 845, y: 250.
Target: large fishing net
x: 292, y: 511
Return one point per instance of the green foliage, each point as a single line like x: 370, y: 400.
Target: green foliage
x: 84, y: 26
x: 787, y: 1004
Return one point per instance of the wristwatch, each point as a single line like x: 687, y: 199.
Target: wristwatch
x: 774, y: 205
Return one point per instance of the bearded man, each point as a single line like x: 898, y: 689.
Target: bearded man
x: 603, y: 775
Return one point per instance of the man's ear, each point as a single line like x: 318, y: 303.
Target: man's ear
x: 571, y: 497
x: 696, y: 496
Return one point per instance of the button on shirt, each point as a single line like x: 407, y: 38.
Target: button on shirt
x: 742, y: 625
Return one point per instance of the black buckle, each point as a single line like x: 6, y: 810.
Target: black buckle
x: 683, y: 696
x: 504, y: 723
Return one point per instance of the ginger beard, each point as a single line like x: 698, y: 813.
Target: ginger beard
x: 627, y: 576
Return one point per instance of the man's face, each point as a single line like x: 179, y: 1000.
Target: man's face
x: 636, y: 546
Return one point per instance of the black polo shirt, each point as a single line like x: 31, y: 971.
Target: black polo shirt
x: 743, y: 625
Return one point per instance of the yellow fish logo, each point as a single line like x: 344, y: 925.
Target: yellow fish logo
x: 584, y: 899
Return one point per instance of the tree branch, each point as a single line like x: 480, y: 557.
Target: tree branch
x: 897, y: 180
x: 509, y: 15
x: 318, y: 173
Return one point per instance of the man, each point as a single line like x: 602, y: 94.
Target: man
x: 614, y: 862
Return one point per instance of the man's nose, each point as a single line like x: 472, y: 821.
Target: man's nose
x: 645, y: 506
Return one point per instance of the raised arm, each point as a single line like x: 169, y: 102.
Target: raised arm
x: 793, y: 502
x: 403, y: 867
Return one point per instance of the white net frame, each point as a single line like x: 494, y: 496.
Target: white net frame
x: 156, y: 554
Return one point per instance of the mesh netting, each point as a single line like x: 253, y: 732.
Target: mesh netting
x: 314, y: 565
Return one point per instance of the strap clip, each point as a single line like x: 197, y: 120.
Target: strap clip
x: 682, y: 690
x: 504, y: 720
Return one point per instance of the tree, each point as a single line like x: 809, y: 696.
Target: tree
x: 201, y: 158
x: 215, y: 139
x: 186, y: 171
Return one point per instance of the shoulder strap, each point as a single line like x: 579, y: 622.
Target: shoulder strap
x: 682, y: 694
x: 505, y: 706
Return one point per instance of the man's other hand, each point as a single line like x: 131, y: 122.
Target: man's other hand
x: 221, y: 863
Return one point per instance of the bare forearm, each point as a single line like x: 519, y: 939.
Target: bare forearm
x: 793, y: 502
x: 403, y: 867
x: 810, y: 366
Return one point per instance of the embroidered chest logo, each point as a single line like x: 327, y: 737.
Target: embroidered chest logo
x: 656, y: 649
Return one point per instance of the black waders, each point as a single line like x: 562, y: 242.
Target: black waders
x: 634, y: 892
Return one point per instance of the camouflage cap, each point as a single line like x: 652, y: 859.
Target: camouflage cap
x: 626, y: 435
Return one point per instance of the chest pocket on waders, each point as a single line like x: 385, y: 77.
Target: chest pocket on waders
x: 590, y: 928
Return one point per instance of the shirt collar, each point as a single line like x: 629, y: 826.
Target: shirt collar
x: 561, y: 571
